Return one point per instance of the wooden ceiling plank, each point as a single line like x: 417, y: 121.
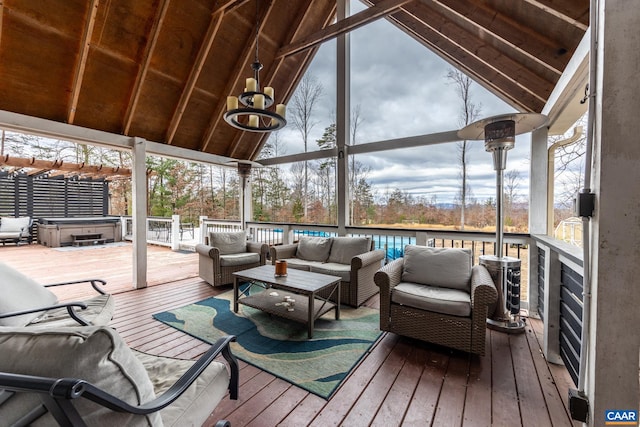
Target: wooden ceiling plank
x: 194, y: 74
x: 556, y: 13
x: 481, y: 70
x: 143, y: 69
x: 535, y: 85
x: 502, y: 32
x: 85, y: 46
x: 379, y: 10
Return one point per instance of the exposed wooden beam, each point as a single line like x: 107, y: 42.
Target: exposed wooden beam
x: 555, y: 12
x: 85, y: 46
x: 145, y: 64
x: 60, y: 165
x: 194, y: 74
x: 358, y: 20
x: 500, y: 30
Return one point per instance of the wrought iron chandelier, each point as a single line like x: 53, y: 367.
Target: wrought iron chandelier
x: 254, y: 114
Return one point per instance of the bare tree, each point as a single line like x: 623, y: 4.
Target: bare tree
x: 305, y: 98
x: 511, y: 184
x: 469, y: 112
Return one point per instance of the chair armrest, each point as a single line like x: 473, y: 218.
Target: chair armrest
x: 283, y: 252
x: 73, y: 388
x: 259, y: 248
x: 69, y: 306
x: 94, y: 284
x: 483, y: 290
x: 366, y: 259
x: 389, y: 276
x: 208, y: 251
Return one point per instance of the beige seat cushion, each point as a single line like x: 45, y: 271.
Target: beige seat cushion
x: 301, y: 264
x: 432, y: 298
x: 232, y: 260
x: 99, y: 312
x: 95, y: 354
x: 334, y: 269
x: 345, y: 248
x: 198, y: 401
x: 20, y: 292
x: 442, y: 267
x: 314, y: 248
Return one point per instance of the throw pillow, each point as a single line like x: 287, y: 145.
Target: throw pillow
x: 229, y: 242
x: 314, y: 248
x: 345, y: 248
x: 444, y: 267
x: 20, y: 292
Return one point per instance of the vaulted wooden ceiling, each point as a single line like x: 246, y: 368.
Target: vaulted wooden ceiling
x: 162, y: 69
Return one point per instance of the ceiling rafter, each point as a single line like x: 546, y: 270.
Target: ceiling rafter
x: 143, y: 68
x: 85, y: 44
x: 194, y: 74
x: 493, y: 25
x: 374, y: 12
x: 555, y: 12
x: 436, y: 31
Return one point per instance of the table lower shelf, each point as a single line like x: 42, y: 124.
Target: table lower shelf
x: 267, y: 303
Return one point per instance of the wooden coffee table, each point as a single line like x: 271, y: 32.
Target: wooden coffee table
x: 298, y: 283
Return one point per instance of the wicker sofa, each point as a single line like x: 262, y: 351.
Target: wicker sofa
x: 87, y: 375
x: 351, y: 258
x: 435, y: 295
x: 226, y: 253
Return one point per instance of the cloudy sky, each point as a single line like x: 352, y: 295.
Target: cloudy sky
x: 402, y: 90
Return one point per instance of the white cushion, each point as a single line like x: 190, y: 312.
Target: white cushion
x: 9, y: 224
x: 314, y: 248
x: 229, y: 242
x: 95, y: 354
x: 345, y: 248
x: 99, y: 312
x: 432, y: 298
x: 443, y: 267
x: 20, y: 292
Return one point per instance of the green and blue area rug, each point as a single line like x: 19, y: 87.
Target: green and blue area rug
x: 280, y: 346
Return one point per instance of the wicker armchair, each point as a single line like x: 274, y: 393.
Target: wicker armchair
x: 435, y: 295
x: 227, y: 253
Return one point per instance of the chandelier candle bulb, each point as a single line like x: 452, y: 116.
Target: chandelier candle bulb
x: 269, y: 92
x: 258, y: 102
x: 281, y: 110
x: 253, y: 121
x: 252, y: 84
x: 232, y: 103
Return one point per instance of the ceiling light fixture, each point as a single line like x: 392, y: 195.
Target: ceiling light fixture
x: 254, y: 114
x: 499, y: 134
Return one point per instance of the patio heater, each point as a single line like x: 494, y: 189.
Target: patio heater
x: 498, y: 133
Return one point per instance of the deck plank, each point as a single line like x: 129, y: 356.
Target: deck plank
x: 399, y: 382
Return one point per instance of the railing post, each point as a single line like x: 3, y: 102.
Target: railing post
x: 287, y: 235
x: 551, y: 335
x: 422, y: 237
x: 175, y: 232
x: 202, y: 235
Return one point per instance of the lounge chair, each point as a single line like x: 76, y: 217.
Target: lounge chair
x: 15, y: 230
x: 25, y: 302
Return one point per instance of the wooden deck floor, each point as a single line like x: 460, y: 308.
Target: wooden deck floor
x: 400, y: 382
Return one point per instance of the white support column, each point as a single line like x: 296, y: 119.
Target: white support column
x: 203, y: 230
x: 538, y: 168
x: 343, y: 126
x: 175, y: 232
x: 612, y: 377
x: 139, y: 215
